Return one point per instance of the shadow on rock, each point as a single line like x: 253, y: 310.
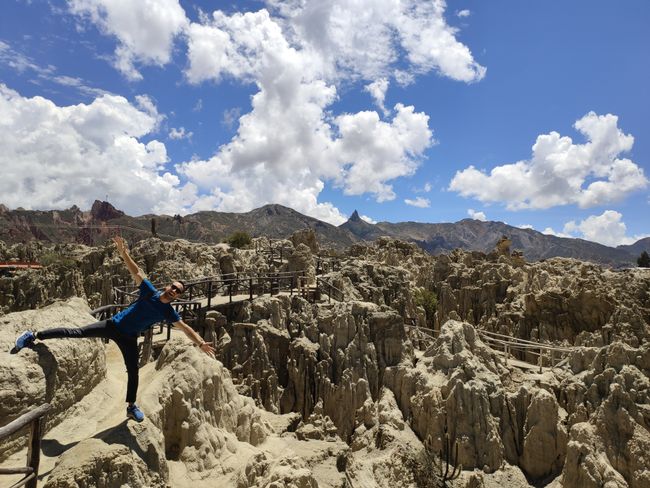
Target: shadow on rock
x: 53, y: 448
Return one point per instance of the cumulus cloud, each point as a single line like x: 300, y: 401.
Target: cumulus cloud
x: 377, y: 90
x: 525, y: 226
x: 296, y: 53
x: 366, y: 38
x: 418, y: 202
x: 180, y: 133
x: 370, y: 220
x: 550, y: 232
x: 561, y: 172
x: 473, y: 214
x: 145, y: 29
x: 606, y: 228
x: 289, y: 162
x: 54, y: 157
x: 463, y: 13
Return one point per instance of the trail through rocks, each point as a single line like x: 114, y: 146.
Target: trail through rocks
x: 102, y: 410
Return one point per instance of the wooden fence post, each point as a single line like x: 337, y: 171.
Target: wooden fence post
x: 34, y: 450
x: 147, y: 347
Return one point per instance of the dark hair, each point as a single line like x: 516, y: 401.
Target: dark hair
x: 182, y: 284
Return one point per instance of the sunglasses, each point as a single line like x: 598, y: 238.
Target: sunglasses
x: 177, y: 289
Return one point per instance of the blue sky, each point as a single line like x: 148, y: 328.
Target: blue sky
x: 423, y: 111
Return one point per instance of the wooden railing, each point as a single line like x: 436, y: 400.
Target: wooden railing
x: 34, y: 419
x: 323, y: 285
x: 272, y: 251
x: 545, y: 354
x: 555, y: 354
x: 225, y: 285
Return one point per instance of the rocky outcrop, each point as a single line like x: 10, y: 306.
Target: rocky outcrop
x: 317, y: 426
x: 129, y: 455
x: 301, y: 261
x: 59, y: 372
x: 293, y: 355
x: 552, y: 301
x: 306, y: 237
x: 287, y: 472
x: 385, y: 451
x: 197, y: 409
x: 103, y: 211
x: 462, y: 387
x: 606, y: 399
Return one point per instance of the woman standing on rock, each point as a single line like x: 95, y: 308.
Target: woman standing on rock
x: 151, y: 307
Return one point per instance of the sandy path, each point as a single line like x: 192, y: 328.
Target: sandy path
x: 102, y: 409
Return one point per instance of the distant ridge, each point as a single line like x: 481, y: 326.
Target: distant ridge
x: 277, y: 221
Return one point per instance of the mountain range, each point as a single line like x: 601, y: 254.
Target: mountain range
x: 277, y: 221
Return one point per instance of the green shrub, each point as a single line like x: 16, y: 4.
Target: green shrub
x: 239, y: 239
x: 428, y: 300
x: 644, y: 260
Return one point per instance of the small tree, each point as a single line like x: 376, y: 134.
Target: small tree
x: 239, y: 239
x: 644, y: 260
x: 428, y: 300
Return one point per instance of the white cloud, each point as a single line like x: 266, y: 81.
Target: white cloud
x: 55, y: 157
x: 525, y: 226
x: 289, y: 145
x: 180, y: 133
x: 22, y: 63
x: 78, y: 83
x: 463, y: 13
x: 606, y: 228
x: 549, y: 231
x: 366, y: 38
x: 377, y: 90
x: 476, y: 215
x: 231, y: 116
x: 418, y: 202
x: 296, y: 54
x: 145, y: 29
x: 370, y: 220
x: 561, y: 172
x: 378, y: 152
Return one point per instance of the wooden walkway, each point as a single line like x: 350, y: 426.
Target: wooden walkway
x: 543, y: 355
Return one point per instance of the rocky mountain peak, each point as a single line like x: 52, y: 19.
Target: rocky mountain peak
x: 354, y: 217
x: 104, y: 211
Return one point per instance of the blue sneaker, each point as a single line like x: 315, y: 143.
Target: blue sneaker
x: 26, y: 339
x: 134, y: 412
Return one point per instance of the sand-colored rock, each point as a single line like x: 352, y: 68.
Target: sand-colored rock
x: 306, y: 237
x: 128, y: 455
x: 197, y: 408
x: 58, y: 372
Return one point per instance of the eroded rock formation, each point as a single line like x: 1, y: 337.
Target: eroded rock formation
x: 338, y: 391
x: 57, y: 372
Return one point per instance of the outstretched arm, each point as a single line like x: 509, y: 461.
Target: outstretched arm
x: 195, y: 338
x: 136, y: 272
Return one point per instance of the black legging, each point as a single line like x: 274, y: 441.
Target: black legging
x: 105, y: 329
